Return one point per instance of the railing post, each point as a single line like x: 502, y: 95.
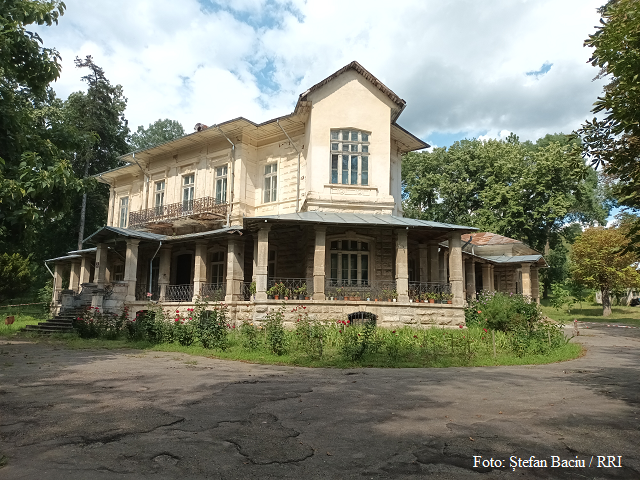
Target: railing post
x: 455, y: 268
x: 402, y: 267
x: 263, y: 262
x: 319, y: 263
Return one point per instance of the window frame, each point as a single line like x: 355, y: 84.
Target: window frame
x: 159, y: 193
x: 221, y: 184
x: 221, y: 263
x: 187, y: 203
x: 270, y: 194
x: 350, y: 157
x: 124, y: 212
x: 340, y: 252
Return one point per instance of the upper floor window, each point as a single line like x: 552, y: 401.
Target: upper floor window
x: 124, y: 212
x: 270, y: 182
x: 188, y: 188
x: 350, y: 157
x: 221, y: 184
x: 159, y: 196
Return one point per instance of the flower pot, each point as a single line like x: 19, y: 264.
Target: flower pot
x: 306, y: 298
x: 9, y: 320
x: 394, y: 299
x: 432, y: 300
x: 277, y: 297
x: 449, y: 302
x: 286, y: 298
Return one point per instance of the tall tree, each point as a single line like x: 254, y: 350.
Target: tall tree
x: 160, y: 131
x: 99, y: 114
x: 613, y: 140
x: 598, y: 261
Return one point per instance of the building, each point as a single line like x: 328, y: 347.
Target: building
x: 308, y: 204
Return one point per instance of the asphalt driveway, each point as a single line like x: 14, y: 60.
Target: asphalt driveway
x: 78, y: 414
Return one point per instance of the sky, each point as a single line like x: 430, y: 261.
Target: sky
x: 466, y: 68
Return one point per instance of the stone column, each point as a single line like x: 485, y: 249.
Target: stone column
x: 235, y: 269
x: 535, y: 285
x: 455, y: 268
x: 434, y: 263
x: 199, y: 269
x: 470, y: 277
x: 486, y: 277
x: 255, y: 258
x: 74, y: 277
x: 526, y: 279
x: 57, y: 282
x: 131, y: 269
x: 263, y: 263
x: 423, y: 260
x: 319, y: 263
x: 101, y: 265
x: 85, y: 274
x: 402, y: 266
x: 164, y: 271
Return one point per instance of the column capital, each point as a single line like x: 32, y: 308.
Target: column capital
x: 320, y: 228
x: 525, y: 266
x: 133, y: 241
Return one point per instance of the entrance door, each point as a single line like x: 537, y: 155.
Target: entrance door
x: 184, y: 275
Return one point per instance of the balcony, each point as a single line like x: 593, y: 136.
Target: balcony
x: 199, y: 209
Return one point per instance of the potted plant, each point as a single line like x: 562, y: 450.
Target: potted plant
x: 273, y: 292
x: 391, y: 294
x: 432, y: 297
x: 340, y: 293
x: 447, y: 297
x: 252, y: 290
x: 356, y: 296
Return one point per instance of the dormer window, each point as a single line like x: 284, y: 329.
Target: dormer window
x: 350, y: 157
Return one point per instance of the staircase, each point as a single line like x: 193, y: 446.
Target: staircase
x: 61, y: 323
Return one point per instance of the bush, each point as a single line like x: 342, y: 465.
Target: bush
x: 310, y: 333
x: 250, y: 336
x: 356, y: 341
x: 213, y: 328
x: 15, y: 275
x: 275, y: 334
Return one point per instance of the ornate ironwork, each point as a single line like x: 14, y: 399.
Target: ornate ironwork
x: 179, y: 293
x: 213, y: 292
x: 245, y: 291
x: 201, y: 208
x: 142, y: 292
x: 291, y: 287
x: 423, y: 291
x: 381, y: 290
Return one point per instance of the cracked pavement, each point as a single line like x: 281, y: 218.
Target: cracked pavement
x: 77, y: 414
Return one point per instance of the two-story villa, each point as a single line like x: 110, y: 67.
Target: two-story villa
x: 305, y: 205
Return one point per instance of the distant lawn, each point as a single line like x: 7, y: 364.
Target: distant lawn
x: 592, y: 312
x: 21, y: 321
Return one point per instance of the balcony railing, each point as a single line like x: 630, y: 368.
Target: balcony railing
x: 343, y: 289
x: 142, y: 292
x: 423, y: 291
x: 213, y: 292
x: 202, y: 208
x: 290, y: 287
x: 179, y: 293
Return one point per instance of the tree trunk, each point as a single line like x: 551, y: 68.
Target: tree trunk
x: 83, y: 210
x: 606, y: 303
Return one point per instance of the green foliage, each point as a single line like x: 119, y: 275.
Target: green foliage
x: 310, y: 333
x: 502, y: 311
x: 250, y: 336
x: 356, y: 341
x: 276, y: 337
x: 213, y: 327
x: 15, y: 275
x: 561, y: 296
x: 520, y: 190
x: 97, y: 324
x: 159, y: 132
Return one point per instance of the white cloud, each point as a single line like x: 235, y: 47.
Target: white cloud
x: 460, y: 65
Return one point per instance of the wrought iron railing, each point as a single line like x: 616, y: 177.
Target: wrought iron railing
x: 245, y: 290
x: 179, y: 293
x: 143, y: 293
x: 290, y: 287
x: 425, y: 291
x: 202, y: 208
x: 375, y: 290
x: 213, y: 292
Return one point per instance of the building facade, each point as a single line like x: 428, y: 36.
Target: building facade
x: 307, y: 205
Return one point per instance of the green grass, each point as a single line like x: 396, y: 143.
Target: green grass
x: 592, y: 312
x: 440, y: 353
x: 21, y: 321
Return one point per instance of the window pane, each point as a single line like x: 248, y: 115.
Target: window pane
x: 160, y: 185
x: 334, y: 245
x: 364, y: 178
x: 334, y: 135
x: 364, y: 268
x: 365, y: 148
x: 365, y: 137
x: 345, y: 169
x: 334, y: 146
x: 354, y: 268
x: 334, y: 168
x: 354, y: 136
x: 354, y: 147
x: 364, y: 246
x: 267, y: 189
x: 345, y: 147
x: 274, y: 188
x: 353, y: 245
x: 334, y: 266
x: 274, y: 168
x: 354, y: 170
x: 345, y: 269
x: 345, y: 135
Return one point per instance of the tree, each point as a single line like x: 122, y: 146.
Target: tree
x: 99, y: 115
x: 613, y: 141
x: 598, y: 261
x: 521, y: 190
x: 15, y: 275
x: 160, y: 131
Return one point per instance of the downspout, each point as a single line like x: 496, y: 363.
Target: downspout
x: 233, y: 173
x: 298, y: 179
x: 151, y: 268
x: 45, y: 264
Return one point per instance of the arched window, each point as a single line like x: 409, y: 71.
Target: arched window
x: 349, y: 262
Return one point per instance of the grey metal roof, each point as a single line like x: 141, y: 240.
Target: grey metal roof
x: 84, y: 250
x: 115, y: 232
x: 209, y: 233
x: 514, y: 259
x: 356, y: 219
x: 66, y: 257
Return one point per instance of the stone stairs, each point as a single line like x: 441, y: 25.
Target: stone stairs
x: 61, y: 323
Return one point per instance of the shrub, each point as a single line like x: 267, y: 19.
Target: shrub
x: 356, y: 341
x: 250, y: 336
x: 275, y: 335
x: 213, y: 328
x: 310, y: 333
x: 15, y: 275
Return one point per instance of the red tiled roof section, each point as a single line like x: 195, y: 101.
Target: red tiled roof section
x: 487, y: 238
